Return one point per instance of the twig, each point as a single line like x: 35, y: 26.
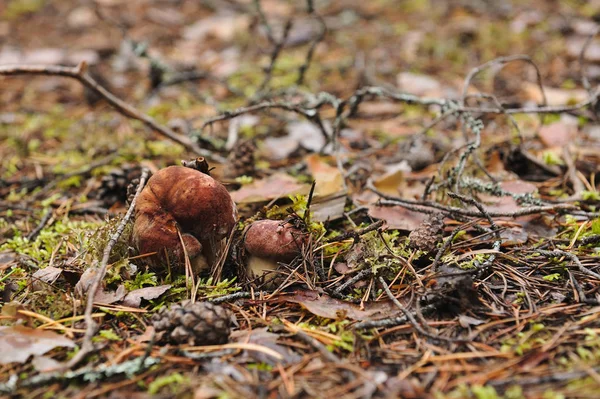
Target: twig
x: 79, y: 73
x: 35, y: 232
x: 311, y: 50
x: 315, y: 344
x: 355, y: 234
x: 501, y: 61
x: 231, y: 297
x: 586, y: 44
x: 359, y: 276
x: 91, y: 325
x: 274, y: 55
x: 392, y: 321
x: 557, y: 253
x: 411, y: 318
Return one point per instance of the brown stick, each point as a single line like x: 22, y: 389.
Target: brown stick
x: 79, y: 73
x: 90, y: 325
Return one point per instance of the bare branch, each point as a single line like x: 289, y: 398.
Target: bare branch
x: 79, y: 73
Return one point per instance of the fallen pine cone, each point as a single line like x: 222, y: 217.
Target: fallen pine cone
x: 200, y: 323
x: 428, y: 234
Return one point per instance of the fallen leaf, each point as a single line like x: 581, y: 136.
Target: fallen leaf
x: 279, y: 148
x: 146, y: 336
x: 134, y: 298
x: 7, y: 259
x: 108, y: 297
x: 330, y: 208
x: 260, y: 336
x: 393, y: 180
x: 466, y: 321
x: 419, y: 85
x: 17, y: 343
x: 86, y: 280
x: 278, y: 185
x: 331, y: 308
x: 308, y: 135
x: 222, y: 27
x: 557, y: 134
x: 44, y: 363
x: 554, y: 96
x: 507, y: 203
x: 46, y: 275
x: 397, y: 217
x: 328, y: 178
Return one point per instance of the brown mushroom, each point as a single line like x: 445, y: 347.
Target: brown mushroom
x: 181, y: 204
x: 269, y: 242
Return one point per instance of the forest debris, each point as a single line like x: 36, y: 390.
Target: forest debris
x: 108, y: 297
x: 262, y: 337
x: 557, y: 134
x: 426, y: 236
x: 17, y: 343
x: 419, y: 85
x: 222, y: 27
x: 278, y: 185
x: 47, y: 275
x: 6, y: 259
x: 397, y: 217
x: 199, y: 323
x: 329, y: 208
x: 44, y: 363
x: 134, y: 298
x: 325, y: 306
x: 329, y: 180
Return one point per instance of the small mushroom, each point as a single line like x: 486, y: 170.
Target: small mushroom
x: 269, y: 242
x: 181, y: 204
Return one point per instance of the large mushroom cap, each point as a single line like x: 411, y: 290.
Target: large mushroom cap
x: 182, y: 198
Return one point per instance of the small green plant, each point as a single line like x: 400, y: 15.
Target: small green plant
x: 173, y: 381
x: 552, y: 277
x: 142, y: 280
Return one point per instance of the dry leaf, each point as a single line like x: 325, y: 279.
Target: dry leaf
x: 325, y: 306
x: 419, y: 85
x: 108, y: 297
x: 328, y: 178
x: 278, y: 185
x: 397, y: 217
x: 7, y: 259
x: 44, y: 363
x: 17, y: 343
x: 331, y: 208
x: 393, y: 180
x: 262, y: 337
x: 46, y: 275
x: 134, y: 298
x: 558, y: 134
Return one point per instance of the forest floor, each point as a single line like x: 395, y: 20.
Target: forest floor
x: 439, y: 157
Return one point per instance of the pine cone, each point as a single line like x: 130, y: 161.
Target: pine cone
x: 200, y: 323
x: 241, y: 160
x: 426, y: 236
x: 113, y: 187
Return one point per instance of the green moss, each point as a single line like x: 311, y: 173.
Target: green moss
x: 172, y: 382
x: 18, y: 8
x: 50, y: 239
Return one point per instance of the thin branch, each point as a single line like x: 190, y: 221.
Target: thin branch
x: 79, y: 73
x: 557, y: 253
x: 91, y: 326
x: 411, y: 318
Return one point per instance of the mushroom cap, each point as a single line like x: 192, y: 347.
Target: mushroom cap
x: 274, y: 239
x: 179, y: 197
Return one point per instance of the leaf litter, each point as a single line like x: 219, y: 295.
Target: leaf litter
x: 365, y: 99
